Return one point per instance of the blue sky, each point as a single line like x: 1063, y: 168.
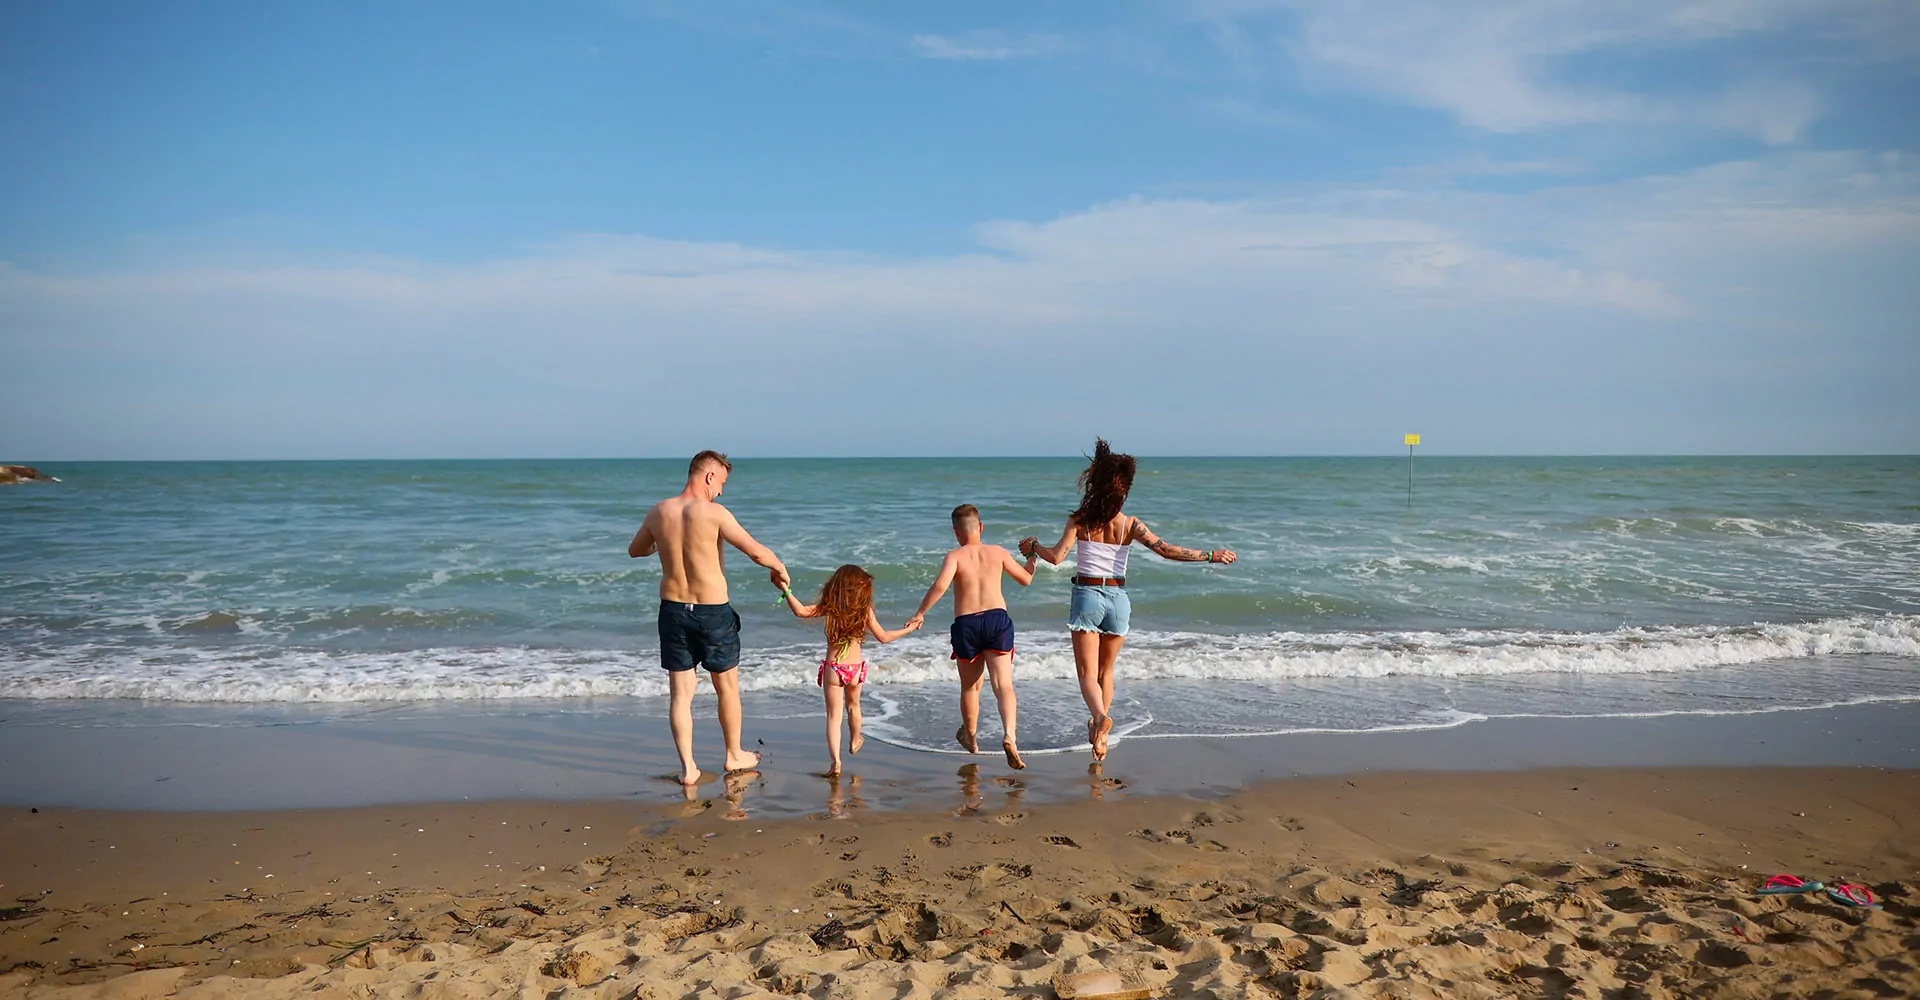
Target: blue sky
x: 641, y: 228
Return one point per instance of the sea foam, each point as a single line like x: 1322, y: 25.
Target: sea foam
x: 279, y: 673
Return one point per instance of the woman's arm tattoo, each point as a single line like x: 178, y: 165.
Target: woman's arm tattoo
x: 1175, y: 552
x: 1164, y: 549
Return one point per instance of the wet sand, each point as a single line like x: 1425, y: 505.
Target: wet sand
x: 1557, y: 882
x: 156, y: 756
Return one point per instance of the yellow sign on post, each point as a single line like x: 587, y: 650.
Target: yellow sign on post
x: 1412, y: 439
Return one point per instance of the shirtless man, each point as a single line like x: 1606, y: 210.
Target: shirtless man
x: 982, y: 629
x: 697, y: 625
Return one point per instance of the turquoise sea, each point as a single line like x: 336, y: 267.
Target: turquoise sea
x: 1501, y: 587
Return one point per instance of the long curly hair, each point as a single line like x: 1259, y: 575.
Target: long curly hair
x: 1103, y: 486
x: 844, y: 603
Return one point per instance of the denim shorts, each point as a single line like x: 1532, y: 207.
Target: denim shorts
x: 1100, y: 609
x: 699, y: 635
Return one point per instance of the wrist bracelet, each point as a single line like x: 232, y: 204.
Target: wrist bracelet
x: 1207, y: 555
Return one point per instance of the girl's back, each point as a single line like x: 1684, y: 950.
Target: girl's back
x: 846, y: 604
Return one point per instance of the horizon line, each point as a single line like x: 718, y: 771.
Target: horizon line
x: 978, y: 457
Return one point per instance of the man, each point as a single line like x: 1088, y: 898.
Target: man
x: 697, y: 625
x: 982, y: 629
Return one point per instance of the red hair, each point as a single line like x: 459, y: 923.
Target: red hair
x: 845, y: 602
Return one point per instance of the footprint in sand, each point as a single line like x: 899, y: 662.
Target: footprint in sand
x: 1289, y: 824
x: 1059, y: 840
x: 941, y: 839
x: 1008, y: 819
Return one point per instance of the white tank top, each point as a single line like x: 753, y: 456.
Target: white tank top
x: 1101, y: 559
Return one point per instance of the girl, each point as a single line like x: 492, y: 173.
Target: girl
x: 846, y: 602
x: 1100, y: 609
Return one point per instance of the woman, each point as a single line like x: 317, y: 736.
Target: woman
x: 1100, y: 607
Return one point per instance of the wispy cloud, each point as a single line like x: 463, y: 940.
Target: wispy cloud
x: 1508, y: 65
x: 985, y: 46
x: 1589, y: 290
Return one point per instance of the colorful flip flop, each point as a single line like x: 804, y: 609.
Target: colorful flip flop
x: 1782, y: 885
x: 1852, y: 894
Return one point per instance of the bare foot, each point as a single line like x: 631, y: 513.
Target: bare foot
x: 742, y: 762
x: 969, y: 740
x: 1013, y: 755
x: 859, y: 740
x: 833, y: 773
x: 1101, y: 727
x: 690, y: 778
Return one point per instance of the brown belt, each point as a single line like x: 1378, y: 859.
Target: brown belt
x: 1100, y: 581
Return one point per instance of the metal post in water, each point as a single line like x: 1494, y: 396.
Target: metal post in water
x: 1412, y: 439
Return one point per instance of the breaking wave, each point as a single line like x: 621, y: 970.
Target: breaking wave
x: 264, y: 673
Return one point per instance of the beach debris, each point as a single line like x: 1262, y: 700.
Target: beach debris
x: 352, y: 948
x: 830, y: 935
x: 20, y: 912
x: 1099, y: 986
x: 1410, y: 893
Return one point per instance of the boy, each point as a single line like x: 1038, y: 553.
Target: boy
x: 982, y: 629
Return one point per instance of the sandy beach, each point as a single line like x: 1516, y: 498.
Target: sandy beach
x: 1580, y: 882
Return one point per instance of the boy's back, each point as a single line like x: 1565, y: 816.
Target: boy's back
x: 973, y: 571
x: 982, y: 629
x: 977, y: 571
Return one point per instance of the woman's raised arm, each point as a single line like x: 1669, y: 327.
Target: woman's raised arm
x: 1145, y: 536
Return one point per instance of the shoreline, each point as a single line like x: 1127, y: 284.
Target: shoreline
x: 1409, y: 884
x: 138, y: 756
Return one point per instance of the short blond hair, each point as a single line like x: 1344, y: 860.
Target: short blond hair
x: 964, y: 513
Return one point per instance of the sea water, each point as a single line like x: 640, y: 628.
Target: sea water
x: 1494, y: 587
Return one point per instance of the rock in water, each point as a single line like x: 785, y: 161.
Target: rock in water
x: 23, y: 473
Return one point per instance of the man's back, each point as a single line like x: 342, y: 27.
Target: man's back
x: 698, y: 627
x: 688, y: 532
x: 977, y: 569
